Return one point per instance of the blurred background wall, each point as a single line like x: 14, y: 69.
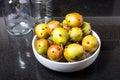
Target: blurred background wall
x: 85, y: 7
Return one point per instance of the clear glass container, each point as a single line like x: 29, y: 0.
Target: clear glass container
x: 17, y: 15
x: 41, y: 10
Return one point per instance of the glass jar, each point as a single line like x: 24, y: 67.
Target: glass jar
x: 42, y: 10
x: 17, y: 15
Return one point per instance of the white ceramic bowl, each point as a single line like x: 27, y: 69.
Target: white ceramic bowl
x: 67, y: 66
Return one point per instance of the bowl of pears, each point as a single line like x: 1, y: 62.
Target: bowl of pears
x: 66, y: 46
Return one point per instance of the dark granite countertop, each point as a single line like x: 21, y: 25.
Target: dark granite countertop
x: 16, y: 66
x: 104, y: 16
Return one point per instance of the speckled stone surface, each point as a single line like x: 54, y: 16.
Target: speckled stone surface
x: 105, y: 20
x: 26, y: 67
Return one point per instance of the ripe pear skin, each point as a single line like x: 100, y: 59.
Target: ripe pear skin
x: 55, y: 52
x: 74, y: 52
x: 90, y: 43
x: 60, y: 36
x: 41, y: 46
x: 86, y: 28
x: 53, y: 24
x: 41, y: 30
x: 75, y: 34
x: 74, y: 19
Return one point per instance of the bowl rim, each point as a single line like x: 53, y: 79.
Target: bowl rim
x: 66, y: 63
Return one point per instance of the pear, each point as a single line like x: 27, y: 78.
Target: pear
x: 53, y: 24
x: 60, y: 36
x: 41, y: 46
x: 55, y: 52
x: 74, y: 19
x: 42, y: 30
x: 86, y: 28
x: 74, y: 52
x: 65, y: 25
x: 90, y: 43
x: 64, y: 22
x: 75, y: 34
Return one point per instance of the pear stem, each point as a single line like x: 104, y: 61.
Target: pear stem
x: 61, y: 46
